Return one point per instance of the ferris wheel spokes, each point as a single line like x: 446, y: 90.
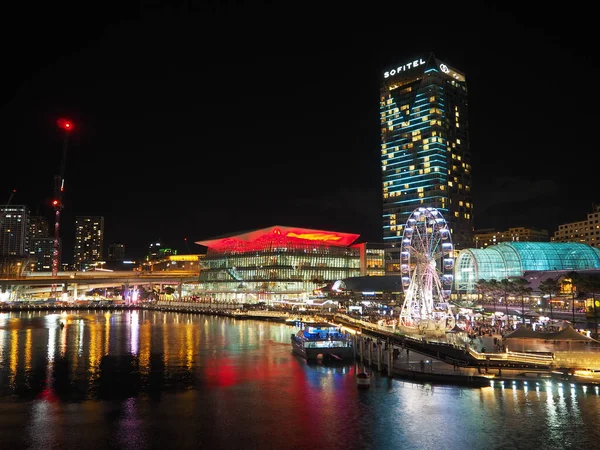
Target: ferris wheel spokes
x: 427, y: 263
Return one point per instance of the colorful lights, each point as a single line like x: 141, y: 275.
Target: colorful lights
x: 65, y: 124
x: 315, y: 236
x: 282, y: 235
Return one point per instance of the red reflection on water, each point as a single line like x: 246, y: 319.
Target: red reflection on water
x: 48, y: 395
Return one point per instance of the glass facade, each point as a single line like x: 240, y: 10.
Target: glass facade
x: 276, y: 263
x: 425, y: 153
x: 507, y: 260
x: 372, y: 259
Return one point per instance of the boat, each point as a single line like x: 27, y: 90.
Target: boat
x: 363, y: 379
x: 323, y: 342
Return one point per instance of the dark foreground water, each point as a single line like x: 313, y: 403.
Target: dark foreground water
x: 137, y: 380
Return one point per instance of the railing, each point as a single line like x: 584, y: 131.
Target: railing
x: 512, y: 357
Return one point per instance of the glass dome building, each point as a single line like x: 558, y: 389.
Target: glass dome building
x: 513, y: 259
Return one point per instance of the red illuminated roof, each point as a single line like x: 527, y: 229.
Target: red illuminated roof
x: 292, y: 234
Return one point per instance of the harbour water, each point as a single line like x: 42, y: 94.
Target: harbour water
x: 165, y: 380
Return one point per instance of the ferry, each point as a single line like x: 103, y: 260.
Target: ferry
x: 322, y: 342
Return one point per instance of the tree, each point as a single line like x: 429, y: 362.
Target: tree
x: 549, y: 287
x: 572, y: 279
x: 591, y: 285
x: 494, y: 290
x: 505, y: 288
x: 521, y: 289
x: 481, y: 287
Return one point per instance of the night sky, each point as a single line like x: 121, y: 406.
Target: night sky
x: 197, y: 119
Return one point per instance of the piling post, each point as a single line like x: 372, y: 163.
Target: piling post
x: 390, y: 358
x: 362, y: 349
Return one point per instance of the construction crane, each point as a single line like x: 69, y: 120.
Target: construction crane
x: 57, y: 202
x: 12, y: 194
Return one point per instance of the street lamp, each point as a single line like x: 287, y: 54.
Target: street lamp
x: 59, y: 186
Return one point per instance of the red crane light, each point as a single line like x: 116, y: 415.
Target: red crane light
x: 65, y: 124
x: 55, y: 202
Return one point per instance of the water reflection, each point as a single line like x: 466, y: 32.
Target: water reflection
x: 124, y: 354
x: 139, y: 379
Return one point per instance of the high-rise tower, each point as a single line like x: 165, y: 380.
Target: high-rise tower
x: 89, y: 241
x: 425, y: 155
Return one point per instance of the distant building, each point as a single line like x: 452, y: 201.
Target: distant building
x: 372, y: 258
x: 277, y: 263
x: 116, y: 252
x: 586, y: 231
x: 40, y: 251
x: 89, y: 241
x: 41, y: 245
x: 171, y: 263
x: 14, y: 231
x: 425, y: 152
x: 158, y: 252
x: 38, y: 227
x: 490, y: 236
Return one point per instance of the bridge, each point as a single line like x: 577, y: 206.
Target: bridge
x: 40, y: 283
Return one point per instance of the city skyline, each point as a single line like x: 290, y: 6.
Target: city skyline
x: 196, y: 123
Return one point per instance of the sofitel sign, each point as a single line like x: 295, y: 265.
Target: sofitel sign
x: 404, y: 68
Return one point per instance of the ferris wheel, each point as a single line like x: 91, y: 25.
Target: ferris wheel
x: 426, y: 264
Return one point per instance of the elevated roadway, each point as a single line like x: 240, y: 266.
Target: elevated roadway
x: 36, y: 283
